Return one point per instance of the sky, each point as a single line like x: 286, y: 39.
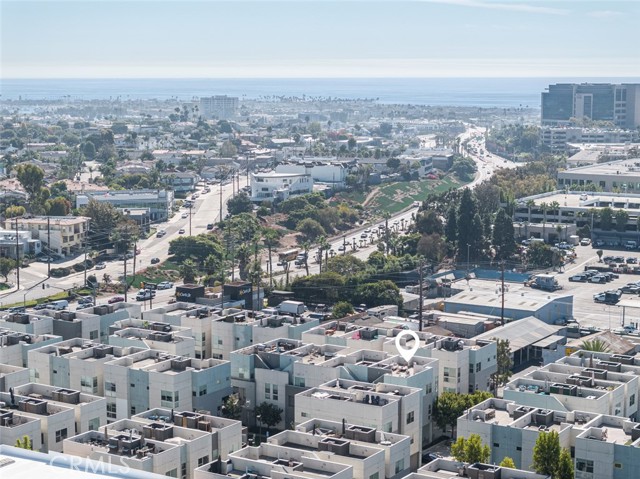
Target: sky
x: 318, y: 38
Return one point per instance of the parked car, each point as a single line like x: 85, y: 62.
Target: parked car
x: 85, y: 300
x: 210, y: 226
x: 630, y: 288
x: 585, y: 241
x: 598, y: 278
x: 116, y: 299
x: 101, y: 265
x: 181, y: 231
x: 165, y: 285
x: 160, y: 233
x: 579, y: 278
x: 155, y: 260
x: 341, y: 247
x: 185, y: 215
x: 40, y: 306
x: 632, y: 260
x: 84, y: 306
x: 145, y: 295
x: 17, y: 309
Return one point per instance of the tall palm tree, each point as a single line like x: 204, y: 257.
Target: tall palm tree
x: 323, y: 246
x: 270, y: 240
x: 306, y: 246
x: 544, y: 207
x: 555, y: 207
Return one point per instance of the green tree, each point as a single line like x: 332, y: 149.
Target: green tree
x: 24, y: 443
x: 310, y: 230
x: 188, y: 271
x: 504, y: 362
x: 15, y: 211
x: 58, y: 206
x: 595, y: 345
x: 470, y: 450
x: 351, y: 143
x: 228, y: 150
x: 451, y: 227
x: 346, y: 265
x: 606, y: 219
x: 565, y: 466
x: 195, y: 248
x: 507, y: 462
x: 503, y: 235
x: 540, y: 255
x: 378, y: 294
x: 449, y: 407
x: 89, y: 149
x: 600, y: 253
x: 104, y: 219
x: 393, y: 163
x: 464, y: 168
x: 428, y: 222
x: 432, y: 247
x: 342, y: 309
x: 269, y: 413
x: 621, y: 218
x: 31, y: 178
x: 241, y: 203
x: 468, y: 232
x: 325, y: 287
x: 6, y: 266
x: 546, y: 453
x: 231, y: 407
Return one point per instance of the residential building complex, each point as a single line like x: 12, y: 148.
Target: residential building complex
x: 220, y: 107
x: 63, y: 235
x: 279, y: 186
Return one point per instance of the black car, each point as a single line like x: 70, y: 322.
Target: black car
x: 210, y: 226
x: 155, y: 260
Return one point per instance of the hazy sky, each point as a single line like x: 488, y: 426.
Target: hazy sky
x: 318, y: 38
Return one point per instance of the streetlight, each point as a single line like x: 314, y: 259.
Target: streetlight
x: 259, y: 419
x: 468, y: 264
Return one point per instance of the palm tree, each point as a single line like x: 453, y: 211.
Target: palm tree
x: 306, y: 246
x: 595, y: 345
x: 323, y: 246
x: 555, y: 207
x: 243, y: 255
x: 530, y: 205
x: 188, y: 271
x: 270, y: 239
x: 544, y: 207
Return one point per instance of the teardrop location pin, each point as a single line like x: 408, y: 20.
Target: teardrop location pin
x: 407, y: 354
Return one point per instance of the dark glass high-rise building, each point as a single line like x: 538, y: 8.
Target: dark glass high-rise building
x: 618, y: 104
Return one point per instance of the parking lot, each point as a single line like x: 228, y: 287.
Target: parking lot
x: 585, y: 310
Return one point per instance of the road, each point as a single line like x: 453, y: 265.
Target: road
x: 207, y: 210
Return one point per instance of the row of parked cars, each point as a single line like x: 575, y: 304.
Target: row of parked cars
x: 593, y: 276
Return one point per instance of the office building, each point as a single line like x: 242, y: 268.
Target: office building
x: 158, y: 203
x: 618, y: 104
x: 63, y: 235
x: 622, y: 176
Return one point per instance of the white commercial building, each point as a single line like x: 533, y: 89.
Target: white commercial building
x: 332, y: 173
x: 159, y: 203
x: 24, y: 245
x: 279, y: 186
x: 220, y: 107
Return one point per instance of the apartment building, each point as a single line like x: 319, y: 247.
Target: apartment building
x: 558, y: 139
x: 274, y: 462
x: 396, y: 447
x: 446, y: 468
x: 23, y: 245
x: 279, y: 186
x: 128, y: 449
x: 173, y: 340
x: 76, y: 364
x: 221, y: 107
x: 276, y: 371
x: 26, y: 323
x: 153, y: 379
x: 12, y: 376
x: 64, y: 235
x: 158, y: 203
x: 569, y: 388
x: 90, y: 410
x: 56, y: 420
x: 386, y: 407
x: 15, y: 426
x: 15, y: 346
x: 226, y: 434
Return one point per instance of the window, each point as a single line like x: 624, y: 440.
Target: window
x: 172, y: 473
x: 93, y: 334
x: 518, y: 448
x: 109, y: 389
x: 375, y: 475
x: 496, y: 444
x: 111, y: 410
x: 184, y: 470
x: 89, y: 384
x: 470, y: 368
x: 202, y: 390
x: 203, y: 460
x: 632, y: 400
x: 584, y: 465
x: 303, y: 414
x: 61, y: 434
x: 169, y: 398
x: 94, y: 424
x: 275, y: 392
x: 133, y: 410
x: 478, y: 367
x: 399, y: 465
x: 387, y: 427
x: 410, y: 417
x: 267, y: 391
x: 298, y: 381
x: 617, y: 465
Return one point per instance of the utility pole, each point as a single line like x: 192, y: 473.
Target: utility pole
x: 126, y: 282
x: 85, y: 262
x: 344, y: 245
x: 421, y: 298
x: 17, y: 257
x: 49, y: 247
x: 190, y: 214
x: 220, y: 200
x: 502, y: 287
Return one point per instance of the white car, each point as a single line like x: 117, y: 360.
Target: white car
x: 101, y: 265
x: 185, y: 215
x: 165, y: 285
x: 585, y: 242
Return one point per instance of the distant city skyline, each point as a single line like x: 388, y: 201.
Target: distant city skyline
x: 317, y: 38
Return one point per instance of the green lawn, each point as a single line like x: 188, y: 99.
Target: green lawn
x: 398, y: 196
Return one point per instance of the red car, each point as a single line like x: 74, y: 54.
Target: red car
x: 116, y: 299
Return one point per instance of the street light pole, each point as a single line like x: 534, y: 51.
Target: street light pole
x: 468, y: 264
x: 259, y: 419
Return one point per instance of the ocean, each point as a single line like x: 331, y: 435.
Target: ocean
x: 476, y: 92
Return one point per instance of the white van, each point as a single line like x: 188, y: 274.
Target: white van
x: 631, y: 245
x: 59, y: 305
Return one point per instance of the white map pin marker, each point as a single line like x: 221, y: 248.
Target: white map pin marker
x: 407, y: 354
